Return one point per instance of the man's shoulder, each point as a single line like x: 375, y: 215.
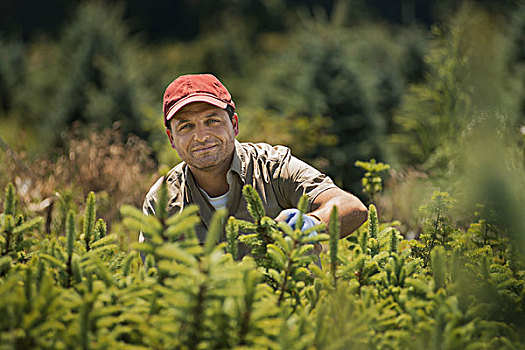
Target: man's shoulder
x: 174, y: 179
x: 265, y: 151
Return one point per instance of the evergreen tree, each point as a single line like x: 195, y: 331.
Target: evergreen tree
x: 98, y: 66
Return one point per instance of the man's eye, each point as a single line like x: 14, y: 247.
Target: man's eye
x: 185, y: 126
x: 210, y: 121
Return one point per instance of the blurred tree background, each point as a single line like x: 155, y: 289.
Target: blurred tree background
x: 427, y: 86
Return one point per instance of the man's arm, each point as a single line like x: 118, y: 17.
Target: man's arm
x: 297, y: 178
x: 352, y: 212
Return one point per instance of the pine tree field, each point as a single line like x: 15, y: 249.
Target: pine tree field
x: 416, y: 107
x: 76, y: 289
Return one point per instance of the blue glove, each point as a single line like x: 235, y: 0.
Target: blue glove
x: 292, y: 215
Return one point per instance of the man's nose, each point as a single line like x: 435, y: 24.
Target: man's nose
x: 201, y: 134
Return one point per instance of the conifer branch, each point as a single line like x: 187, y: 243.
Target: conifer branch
x: 162, y: 202
x: 214, y: 231
x: 254, y: 203
x: 40, y: 272
x: 284, y: 282
x: 5, y: 265
x: 76, y: 269
x: 250, y: 280
x: 232, y: 232
x: 438, y: 264
x: 70, y: 244
x: 28, y: 289
x: 333, y: 228
x: 85, y: 323
x: 363, y: 241
x: 392, y: 248
x: 9, y: 224
x: 28, y: 226
x: 198, y: 318
x: 100, y: 229
x: 10, y: 200
x: 373, y: 222
x: 126, y: 266
x: 89, y: 219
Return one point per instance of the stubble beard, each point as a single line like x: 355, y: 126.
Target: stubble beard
x: 215, y: 160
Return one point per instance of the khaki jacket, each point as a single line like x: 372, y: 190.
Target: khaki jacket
x: 280, y: 179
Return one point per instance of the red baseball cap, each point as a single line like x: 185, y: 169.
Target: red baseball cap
x: 195, y: 88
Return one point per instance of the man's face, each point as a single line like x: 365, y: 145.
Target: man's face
x: 203, y: 135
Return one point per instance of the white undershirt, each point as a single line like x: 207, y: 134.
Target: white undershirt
x: 216, y: 202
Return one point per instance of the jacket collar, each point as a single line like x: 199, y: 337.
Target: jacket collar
x: 238, y: 162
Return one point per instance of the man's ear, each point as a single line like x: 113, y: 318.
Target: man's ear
x: 170, y: 136
x: 235, y: 122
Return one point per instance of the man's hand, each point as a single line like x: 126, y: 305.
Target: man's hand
x: 290, y: 216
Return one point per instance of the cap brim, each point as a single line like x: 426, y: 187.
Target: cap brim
x: 195, y: 98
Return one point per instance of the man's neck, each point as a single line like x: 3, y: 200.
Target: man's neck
x: 213, y: 181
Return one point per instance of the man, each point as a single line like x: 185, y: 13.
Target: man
x: 201, y: 124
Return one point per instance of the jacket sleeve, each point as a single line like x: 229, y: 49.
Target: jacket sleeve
x: 297, y: 178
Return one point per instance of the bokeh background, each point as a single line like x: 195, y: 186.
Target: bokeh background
x: 434, y: 88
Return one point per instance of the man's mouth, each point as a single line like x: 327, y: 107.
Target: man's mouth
x: 203, y: 148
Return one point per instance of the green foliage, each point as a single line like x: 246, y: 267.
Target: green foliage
x: 457, y: 286
x: 438, y: 261
x: 100, y: 229
x: 372, y: 182
x: 13, y: 229
x: 438, y: 230
x: 434, y: 112
x: 161, y: 208
x: 89, y: 219
x: 460, y: 91
x: 13, y: 74
x: 255, y: 206
x: 97, y: 86
x: 284, y: 254
x: 10, y: 200
x: 351, y: 77
x: 259, y: 233
x: 375, y: 293
x: 232, y: 233
x: 340, y: 322
x: 373, y: 229
x: 333, y: 229
x: 71, y: 235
